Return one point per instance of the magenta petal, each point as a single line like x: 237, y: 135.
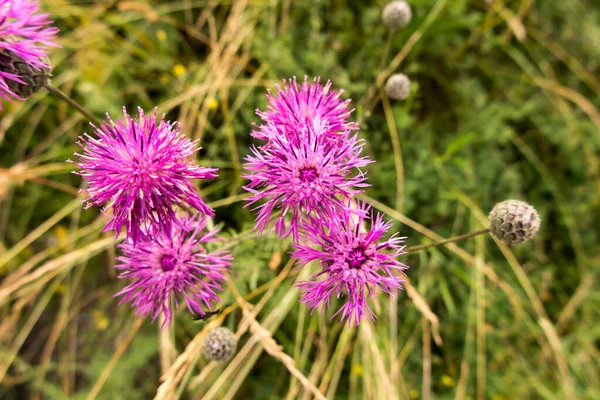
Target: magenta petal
x: 142, y: 169
x: 354, y: 261
x: 162, y: 267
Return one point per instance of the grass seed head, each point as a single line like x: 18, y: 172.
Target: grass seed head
x: 397, y: 87
x: 396, y: 15
x: 219, y: 345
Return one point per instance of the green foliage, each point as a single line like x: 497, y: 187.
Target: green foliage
x: 490, y: 117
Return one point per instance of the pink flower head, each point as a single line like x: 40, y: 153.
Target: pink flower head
x: 141, y: 168
x: 23, y: 34
x: 166, y: 265
x: 296, y: 107
x: 302, y: 173
x: 354, y: 262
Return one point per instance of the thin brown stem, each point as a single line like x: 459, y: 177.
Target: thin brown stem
x: 413, y: 249
x: 64, y: 97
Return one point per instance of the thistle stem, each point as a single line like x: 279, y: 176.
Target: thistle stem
x: 413, y: 249
x: 64, y: 97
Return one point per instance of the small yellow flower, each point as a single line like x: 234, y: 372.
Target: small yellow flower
x: 101, y: 320
x: 413, y: 393
x: 357, y: 369
x: 178, y: 70
x: 161, y: 35
x: 447, y: 381
x: 61, y: 289
x: 62, y: 235
x: 212, y: 103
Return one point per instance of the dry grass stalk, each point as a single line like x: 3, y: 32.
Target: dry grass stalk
x: 271, y: 346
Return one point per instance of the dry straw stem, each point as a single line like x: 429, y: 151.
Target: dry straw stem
x: 39, y: 231
x: 330, y: 380
x: 8, y: 357
x: 271, y: 346
x: 368, y: 340
x: 535, y: 301
x: 423, y: 307
x: 480, y: 317
x: 426, y: 384
x: 18, y: 273
x: 182, y: 366
x: 581, y: 101
x: 236, y: 371
x: 56, y: 266
x: 185, y: 360
x: 578, y: 298
x: 18, y: 174
x: 513, y: 21
x: 114, y: 359
x: 168, y: 352
x: 574, y: 65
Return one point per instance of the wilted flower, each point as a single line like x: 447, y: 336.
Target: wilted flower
x: 354, y: 261
x: 301, y: 173
x: 397, y: 87
x: 514, y: 221
x: 166, y: 265
x: 141, y: 169
x: 295, y: 107
x: 24, y: 35
x: 220, y: 344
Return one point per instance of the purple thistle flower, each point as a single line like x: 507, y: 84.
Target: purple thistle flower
x: 24, y: 34
x: 302, y: 173
x: 295, y: 107
x: 354, y: 262
x: 141, y: 169
x: 166, y: 265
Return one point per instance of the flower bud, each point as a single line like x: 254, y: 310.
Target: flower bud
x: 33, y: 78
x: 396, y: 15
x: 397, y: 87
x: 514, y: 221
x: 219, y: 345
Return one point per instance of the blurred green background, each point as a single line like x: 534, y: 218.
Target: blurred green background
x: 504, y: 104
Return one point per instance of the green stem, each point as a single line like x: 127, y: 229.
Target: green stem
x: 413, y: 249
x: 64, y: 97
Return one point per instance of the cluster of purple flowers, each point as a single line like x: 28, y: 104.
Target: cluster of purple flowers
x: 24, y: 35
x: 305, y: 177
x: 303, y: 180
x: 141, y: 169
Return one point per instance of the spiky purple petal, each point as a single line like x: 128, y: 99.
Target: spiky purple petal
x: 303, y: 172
x: 297, y: 106
x: 166, y: 267
x: 142, y: 170
x: 354, y: 262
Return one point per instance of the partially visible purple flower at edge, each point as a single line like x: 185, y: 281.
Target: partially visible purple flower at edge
x: 295, y: 106
x: 354, y: 262
x: 302, y: 173
x: 166, y: 266
x: 141, y: 169
x: 20, y: 19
